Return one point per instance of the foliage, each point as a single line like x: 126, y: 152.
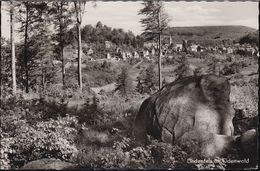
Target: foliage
x: 251, y: 38
x: 124, y: 83
x: 153, y: 12
x: 147, y: 81
x: 232, y: 68
x: 23, y: 140
x: 90, y: 114
x: 183, y: 67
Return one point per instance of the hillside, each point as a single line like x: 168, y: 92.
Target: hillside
x: 213, y: 34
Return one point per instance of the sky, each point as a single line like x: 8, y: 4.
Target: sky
x: 125, y: 14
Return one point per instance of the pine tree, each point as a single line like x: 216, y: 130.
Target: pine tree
x: 155, y: 22
x: 147, y: 80
x: 36, y: 56
x: 183, y: 68
x: 150, y: 80
x: 62, y: 20
x: 124, y: 84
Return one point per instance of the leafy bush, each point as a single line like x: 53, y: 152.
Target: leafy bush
x: 52, y: 139
x: 231, y: 69
x: 26, y: 137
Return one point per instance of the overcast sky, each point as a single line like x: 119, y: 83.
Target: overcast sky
x: 125, y: 14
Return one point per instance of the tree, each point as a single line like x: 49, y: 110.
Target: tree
x: 34, y: 19
x: 79, y: 9
x: 147, y: 80
x: 124, y: 83
x: 62, y: 20
x: 155, y: 22
x: 12, y: 47
x: 183, y: 67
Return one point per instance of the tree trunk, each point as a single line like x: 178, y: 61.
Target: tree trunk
x: 1, y: 53
x: 12, y: 47
x: 79, y: 58
x: 61, y: 44
x: 42, y: 89
x: 160, y: 52
x: 160, y: 63
x: 26, y: 50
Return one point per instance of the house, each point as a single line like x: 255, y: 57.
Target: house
x: 108, y: 56
x: 150, y: 44
x: 90, y: 51
x: 123, y: 55
x: 108, y: 44
x: 118, y: 50
x: 129, y: 55
x: 135, y: 55
x: 178, y: 47
x: 230, y: 50
x: 152, y: 52
x: 250, y: 51
x: 194, y: 48
x: 146, y: 53
x: 56, y: 62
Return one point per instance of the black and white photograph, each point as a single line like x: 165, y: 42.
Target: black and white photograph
x: 129, y: 85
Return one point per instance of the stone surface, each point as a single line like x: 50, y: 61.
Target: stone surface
x: 47, y: 164
x: 194, y: 111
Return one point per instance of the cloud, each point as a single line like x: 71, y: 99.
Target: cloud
x: 212, y: 13
x: 125, y: 14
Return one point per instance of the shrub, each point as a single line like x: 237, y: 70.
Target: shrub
x: 124, y: 84
x: 231, y: 69
x: 147, y: 81
x: 24, y: 141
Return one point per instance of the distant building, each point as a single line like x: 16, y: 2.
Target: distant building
x: 178, y: 47
x: 118, y: 50
x: 129, y: 55
x: 230, y: 50
x: 152, y: 52
x: 194, y: 48
x: 108, y: 44
x: 146, y: 53
x: 90, y: 51
x: 123, y: 55
x: 108, y: 56
x: 56, y: 62
x: 150, y: 44
x: 135, y: 55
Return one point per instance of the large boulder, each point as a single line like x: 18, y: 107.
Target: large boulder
x: 48, y: 164
x: 194, y: 112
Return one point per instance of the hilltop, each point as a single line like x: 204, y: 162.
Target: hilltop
x: 213, y: 34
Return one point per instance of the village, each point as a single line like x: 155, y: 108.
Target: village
x: 149, y: 51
